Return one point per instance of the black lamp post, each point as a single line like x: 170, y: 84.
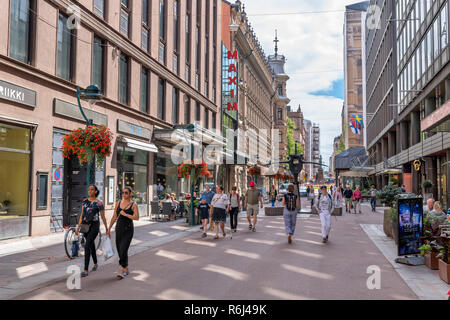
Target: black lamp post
x: 92, y: 94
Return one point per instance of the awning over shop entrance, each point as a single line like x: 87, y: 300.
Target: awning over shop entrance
x: 150, y: 147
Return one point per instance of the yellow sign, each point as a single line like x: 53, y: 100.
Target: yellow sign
x: 417, y: 165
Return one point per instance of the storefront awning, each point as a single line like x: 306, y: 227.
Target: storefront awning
x: 150, y: 147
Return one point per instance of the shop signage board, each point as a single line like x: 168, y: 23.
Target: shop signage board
x: 18, y: 94
x: 410, y: 225
x: 230, y: 81
x: 72, y: 111
x: 134, y: 130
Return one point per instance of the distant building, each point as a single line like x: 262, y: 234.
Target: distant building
x: 315, y: 141
x: 353, y: 109
x: 308, y: 149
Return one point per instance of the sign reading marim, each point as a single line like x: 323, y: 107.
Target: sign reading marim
x: 18, y: 94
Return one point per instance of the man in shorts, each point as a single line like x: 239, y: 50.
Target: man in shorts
x: 348, y: 195
x: 252, y: 198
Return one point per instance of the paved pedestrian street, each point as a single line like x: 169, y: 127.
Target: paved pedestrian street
x: 251, y: 265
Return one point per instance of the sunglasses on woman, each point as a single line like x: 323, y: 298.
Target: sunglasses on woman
x: 126, y: 192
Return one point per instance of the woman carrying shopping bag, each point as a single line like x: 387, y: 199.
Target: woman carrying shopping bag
x: 89, y: 222
x: 125, y: 213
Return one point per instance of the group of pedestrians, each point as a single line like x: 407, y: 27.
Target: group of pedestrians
x: 125, y: 212
x: 214, y: 207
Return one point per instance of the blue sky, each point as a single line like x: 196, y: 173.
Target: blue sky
x: 311, y: 38
x: 336, y: 90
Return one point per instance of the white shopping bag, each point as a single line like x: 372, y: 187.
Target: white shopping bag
x: 107, y: 248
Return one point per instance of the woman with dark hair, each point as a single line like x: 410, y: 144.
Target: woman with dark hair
x: 125, y: 212
x: 234, y: 208
x: 89, y: 220
x: 219, y: 205
x: 290, y: 212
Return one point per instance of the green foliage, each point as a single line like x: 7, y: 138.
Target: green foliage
x: 393, y: 181
x: 424, y: 249
x: 341, y: 147
x: 388, y: 194
x: 290, y: 138
x: 427, y: 184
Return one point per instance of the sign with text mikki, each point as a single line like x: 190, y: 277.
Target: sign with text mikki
x: 17, y: 94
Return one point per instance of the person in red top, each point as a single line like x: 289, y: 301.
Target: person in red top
x: 357, y: 197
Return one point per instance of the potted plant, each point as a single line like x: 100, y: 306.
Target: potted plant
x: 443, y: 246
x: 426, y: 186
x: 430, y: 255
x: 254, y: 171
x: 387, y: 195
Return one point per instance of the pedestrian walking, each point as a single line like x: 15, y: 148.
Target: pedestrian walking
x: 324, y: 206
x: 357, y: 198
x: 290, y: 212
x: 373, y: 198
x: 312, y: 195
x: 273, y: 195
x: 219, y: 205
x: 89, y: 223
x: 208, y: 194
x: 308, y: 189
x: 125, y: 212
x: 337, y: 197
x: 252, y: 198
x: 203, y: 210
x: 348, y: 195
x: 234, y: 208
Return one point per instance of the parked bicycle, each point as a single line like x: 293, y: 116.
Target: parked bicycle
x: 70, y: 244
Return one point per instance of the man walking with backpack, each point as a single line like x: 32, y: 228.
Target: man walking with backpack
x: 290, y: 212
x: 324, y: 206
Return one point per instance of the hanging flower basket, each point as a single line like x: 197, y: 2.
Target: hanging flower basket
x: 88, y: 143
x: 254, y: 171
x: 185, y: 170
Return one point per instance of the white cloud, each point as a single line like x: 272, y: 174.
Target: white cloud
x: 311, y: 43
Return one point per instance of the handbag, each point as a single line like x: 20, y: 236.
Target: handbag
x: 107, y: 248
x: 75, y: 249
x: 84, y: 228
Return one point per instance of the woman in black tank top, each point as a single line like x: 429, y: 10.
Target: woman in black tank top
x: 126, y: 211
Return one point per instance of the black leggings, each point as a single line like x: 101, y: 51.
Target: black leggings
x: 234, y: 218
x: 124, y: 235
x: 89, y: 246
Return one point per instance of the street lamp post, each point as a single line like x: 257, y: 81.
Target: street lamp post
x: 92, y: 95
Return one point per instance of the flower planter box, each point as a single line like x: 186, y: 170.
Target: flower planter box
x: 395, y: 231
x: 273, y: 211
x: 444, y: 271
x: 387, y: 223
x: 431, y: 261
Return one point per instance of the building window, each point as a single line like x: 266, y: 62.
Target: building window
x: 162, y: 53
x: 123, y: 79
x: 197, y: 81
x: 161, y: 98
x: 197, y: 111
x: 175, y: 106
x: 188, y: 32
x: 124, y: 17
x: 197, y: 45
x: 162, y: 31
x: 280, y: 90
x: 99, y: 8
x: 145, y: 26
x: 214, y: 119
x: 280, y: 114
x: 176, y: 26
x: 98, y: 63
x: 42, y: 191
x: 175, y: 63
x: 207, y: 88
x: 444, y: 28
x: 20, y: 30
x: 65, y: 52
x: 206, y: 118
x: 280, y: 137
x: 188, y: 74
x: 144, y: 90
x: 187, y: 110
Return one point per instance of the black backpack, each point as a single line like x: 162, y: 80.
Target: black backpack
x: 291, y: 201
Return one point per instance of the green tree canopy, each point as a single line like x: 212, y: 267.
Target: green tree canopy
x: 290, y: 139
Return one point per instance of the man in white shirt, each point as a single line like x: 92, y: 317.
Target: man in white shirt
x: 325, y: 206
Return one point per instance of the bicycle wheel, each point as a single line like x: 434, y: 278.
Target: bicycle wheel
x: 69, y: 238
